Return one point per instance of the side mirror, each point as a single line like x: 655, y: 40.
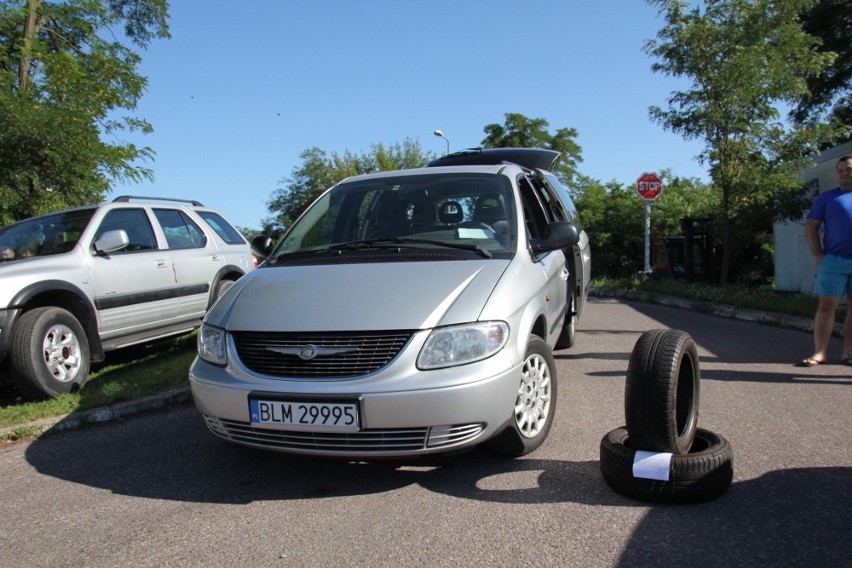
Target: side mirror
x: 262, y: 246
x: 560, y: 235
x: 112, y: 241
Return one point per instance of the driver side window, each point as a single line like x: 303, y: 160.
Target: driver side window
x: 135, y: 223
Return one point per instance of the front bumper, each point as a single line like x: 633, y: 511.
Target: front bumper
x: 419, y: 420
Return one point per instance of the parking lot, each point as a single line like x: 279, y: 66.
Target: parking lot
x: 159, y: 490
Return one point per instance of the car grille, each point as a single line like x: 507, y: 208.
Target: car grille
x: 335, y: 355
x: 366, y: 442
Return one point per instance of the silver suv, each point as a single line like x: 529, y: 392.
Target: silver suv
x: 404, y: 313
x: 85, y: 281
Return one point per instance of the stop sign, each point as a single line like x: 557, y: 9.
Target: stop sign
x: 649, y: 186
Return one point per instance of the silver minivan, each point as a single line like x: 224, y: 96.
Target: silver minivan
x: 404, y: 313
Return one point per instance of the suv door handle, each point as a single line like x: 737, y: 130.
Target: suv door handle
x: 215, y: 258
x: 161, y: 263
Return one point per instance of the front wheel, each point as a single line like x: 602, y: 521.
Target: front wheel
x: 49, y: 353
x: 535, y: 403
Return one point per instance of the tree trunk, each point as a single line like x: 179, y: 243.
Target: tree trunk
x: 726, y: 236
x: 30, y: 30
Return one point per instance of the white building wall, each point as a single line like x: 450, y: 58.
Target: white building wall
x: 794, y: 265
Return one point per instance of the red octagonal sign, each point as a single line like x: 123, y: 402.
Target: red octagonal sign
x: 649, y: 186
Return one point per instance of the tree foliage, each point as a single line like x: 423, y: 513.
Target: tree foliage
x: 831, y: 22
x: 519, y: 131
x: 745, y: 58
x: 319, y: 171
x: 64, y: 80
x: 614, y: 218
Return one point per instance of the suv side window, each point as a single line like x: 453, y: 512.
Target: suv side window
x: 135, y: 223
x: 181, y: 231
x: 224, y: 229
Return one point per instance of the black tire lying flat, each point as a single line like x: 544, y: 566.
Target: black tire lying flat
x: 704, y: 473
x: 662, y: 392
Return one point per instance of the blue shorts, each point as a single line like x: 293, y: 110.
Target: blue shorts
x: 834, y: 277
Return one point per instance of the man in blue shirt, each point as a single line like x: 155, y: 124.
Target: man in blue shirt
x: 833, y: 256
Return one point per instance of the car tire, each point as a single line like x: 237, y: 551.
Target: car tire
x: 535, y: 404
x: 704, y: 473
x: 221, y: 288
x: 662, y: 392
x: 49, y: 353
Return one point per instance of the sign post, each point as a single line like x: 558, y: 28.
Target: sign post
x: 649, y: 187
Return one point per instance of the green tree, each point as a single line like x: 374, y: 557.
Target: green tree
x: 831, y: 22
x: 520, y: 131
x: 64, y: 81
x: 319, y: 171
x: 614, y: 217
x: 745, y: 58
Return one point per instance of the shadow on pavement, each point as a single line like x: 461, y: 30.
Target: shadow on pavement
x: 789, y: 517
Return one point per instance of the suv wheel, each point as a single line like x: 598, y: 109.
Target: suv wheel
x: 535, y: 404
x: 50, y: 353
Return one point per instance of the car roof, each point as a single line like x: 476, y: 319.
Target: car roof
x: 531, y: 158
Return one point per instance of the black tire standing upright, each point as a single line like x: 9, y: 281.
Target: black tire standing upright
x: 662, y: 392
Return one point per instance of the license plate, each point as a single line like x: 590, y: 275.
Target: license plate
x: 303, y: 415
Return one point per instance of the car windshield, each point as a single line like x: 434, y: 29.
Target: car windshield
x: 45, y: 235
x: 449, y: 210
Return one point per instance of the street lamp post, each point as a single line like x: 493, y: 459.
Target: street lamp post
x: 440, y: 134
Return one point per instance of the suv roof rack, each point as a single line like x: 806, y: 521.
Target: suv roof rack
x: 127, y: 198
x: 532, y: 158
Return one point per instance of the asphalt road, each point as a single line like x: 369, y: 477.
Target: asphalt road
x: 159, y: 490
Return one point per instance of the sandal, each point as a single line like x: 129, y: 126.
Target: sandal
x: 813, y: 362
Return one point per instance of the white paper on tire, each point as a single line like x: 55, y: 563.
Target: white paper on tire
x: 652, y: 465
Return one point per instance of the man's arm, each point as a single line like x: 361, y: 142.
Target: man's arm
x: 812, y: 235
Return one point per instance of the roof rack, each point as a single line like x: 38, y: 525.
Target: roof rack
x: 127, y: 198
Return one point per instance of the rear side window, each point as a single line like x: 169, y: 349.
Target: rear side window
x: 222, y: 228
x: 181, y: 231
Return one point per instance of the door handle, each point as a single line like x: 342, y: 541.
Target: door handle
x: 161, y: 263
x: 215, y: 258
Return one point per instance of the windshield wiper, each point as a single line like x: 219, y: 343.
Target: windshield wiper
x: 396, y: 241
x: 462, y: 246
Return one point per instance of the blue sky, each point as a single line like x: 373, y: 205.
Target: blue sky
x: 243, y: 87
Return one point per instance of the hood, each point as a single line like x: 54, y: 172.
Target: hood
x: 363, y: 297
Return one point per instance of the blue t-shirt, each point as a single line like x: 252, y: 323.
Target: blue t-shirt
x: 834, y: 209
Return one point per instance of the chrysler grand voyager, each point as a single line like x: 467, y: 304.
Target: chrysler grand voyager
x: 404, y: 313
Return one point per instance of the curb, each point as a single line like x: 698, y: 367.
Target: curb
x: 78, y: 419
x: 721, y: 310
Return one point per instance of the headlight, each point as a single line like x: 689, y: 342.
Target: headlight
x: 460, y: 344
x: 211, y: 344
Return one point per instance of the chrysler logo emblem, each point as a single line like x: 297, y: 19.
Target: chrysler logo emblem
x: 308, y: 352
